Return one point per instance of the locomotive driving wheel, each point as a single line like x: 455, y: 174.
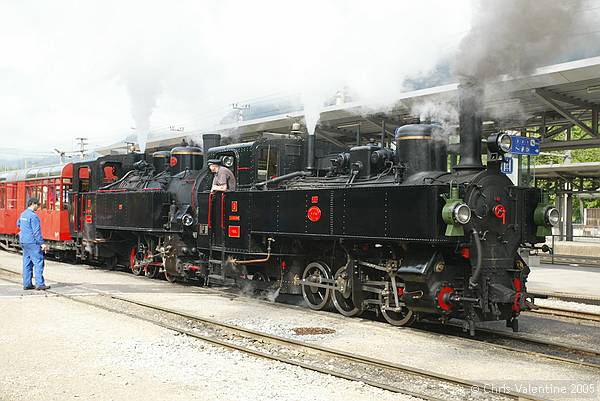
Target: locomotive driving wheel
x: 152, y: 270
x: 135, y: 263
x: 171, y: 278
x: 342, y: 296
x: 170, y: 261
x: 396, y: 315
x: 316, y: 297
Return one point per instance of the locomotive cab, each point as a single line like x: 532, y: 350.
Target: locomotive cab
x: 255, y: 162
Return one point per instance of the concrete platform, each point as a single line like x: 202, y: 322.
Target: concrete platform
x: 588, y: 249
x: 571, y: 280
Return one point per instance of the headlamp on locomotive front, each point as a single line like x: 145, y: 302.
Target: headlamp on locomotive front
x: 187, y: 220
x: 228, y: 161
x: 455, y: 213
x: 498, y: 145
x: 545, y: 217
x: 552, y: 216
x: 461, y: 213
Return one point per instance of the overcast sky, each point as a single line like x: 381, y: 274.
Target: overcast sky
x: 100, y: 68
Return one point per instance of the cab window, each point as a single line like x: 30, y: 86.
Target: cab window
x: 84, y: 179
x: 267, y: 163
x: 110, y: 172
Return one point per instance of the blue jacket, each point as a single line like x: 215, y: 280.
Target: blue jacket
x: 31, y: 232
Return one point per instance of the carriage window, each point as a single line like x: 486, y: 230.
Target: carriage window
x: 2, y: 197
x: 11, y: 196
x: 84, y: 179
x: 33, y: 190
x: 55, y: 200
x: 44, y: 198
x: 28, y: 191
x: 67, y: 186
x: 267, y: 163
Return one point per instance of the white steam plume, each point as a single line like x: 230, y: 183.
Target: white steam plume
x: 72, y: 60
x: 227, y: 51
x: 443, y: 113
x: 515, y: 36
x: 143, y: 90
x: 512, y: 38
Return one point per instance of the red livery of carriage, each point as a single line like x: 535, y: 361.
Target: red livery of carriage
x: 51, y: 185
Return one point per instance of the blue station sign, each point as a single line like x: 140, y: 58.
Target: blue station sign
x: 525, y: 146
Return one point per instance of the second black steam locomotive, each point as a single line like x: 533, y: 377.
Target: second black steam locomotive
x: 369, y: 228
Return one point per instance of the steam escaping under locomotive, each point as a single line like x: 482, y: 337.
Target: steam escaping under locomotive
x: 369, y: 228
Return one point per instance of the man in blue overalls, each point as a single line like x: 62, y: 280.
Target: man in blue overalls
x: 32, y: 245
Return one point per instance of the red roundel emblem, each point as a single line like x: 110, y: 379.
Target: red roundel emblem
x: 314, y: 213
x: 500, y: 212
x: 173, y: 161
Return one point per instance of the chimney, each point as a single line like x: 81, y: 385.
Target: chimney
x: 469, y: 107
x: 210, y: 141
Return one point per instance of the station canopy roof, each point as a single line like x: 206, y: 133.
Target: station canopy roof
x: 567, y: 171
x: 543, y: 104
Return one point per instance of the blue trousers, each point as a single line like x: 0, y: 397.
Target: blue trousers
x: 33, y: 261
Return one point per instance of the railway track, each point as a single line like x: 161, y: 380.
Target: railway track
x: 374, y: 372
x: 554, y: 311
x: 571, y: 260
x: 518, y: 343
x: 563, y: 296
x: 522, y: 343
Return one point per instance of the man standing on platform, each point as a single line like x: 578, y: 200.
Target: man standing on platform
x: 33, y: 246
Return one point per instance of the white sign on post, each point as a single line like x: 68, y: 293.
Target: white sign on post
x: 510, y: 167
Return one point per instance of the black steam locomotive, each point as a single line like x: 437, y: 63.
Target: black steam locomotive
x: 367, y: 228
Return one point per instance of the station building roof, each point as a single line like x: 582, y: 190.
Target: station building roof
x: 545, y: 103
x: 567, y: 171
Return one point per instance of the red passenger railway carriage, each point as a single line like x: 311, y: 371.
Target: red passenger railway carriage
x: 51, y: 185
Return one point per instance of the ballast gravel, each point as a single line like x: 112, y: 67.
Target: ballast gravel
x: 54, y: 349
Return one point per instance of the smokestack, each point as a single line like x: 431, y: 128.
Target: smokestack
x: 469, y: 106
x: 210, y: 141
x: 310, y: 145
x: 311, y: 152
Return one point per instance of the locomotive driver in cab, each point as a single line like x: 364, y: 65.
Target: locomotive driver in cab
x: 224, y: 180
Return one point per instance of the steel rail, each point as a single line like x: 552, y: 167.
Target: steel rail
x: 326, y: 350
x: 250, y: 351
x: 569, y: 348
x: 229, y: 345
x: 581, y: 315
x: 564, y: 296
